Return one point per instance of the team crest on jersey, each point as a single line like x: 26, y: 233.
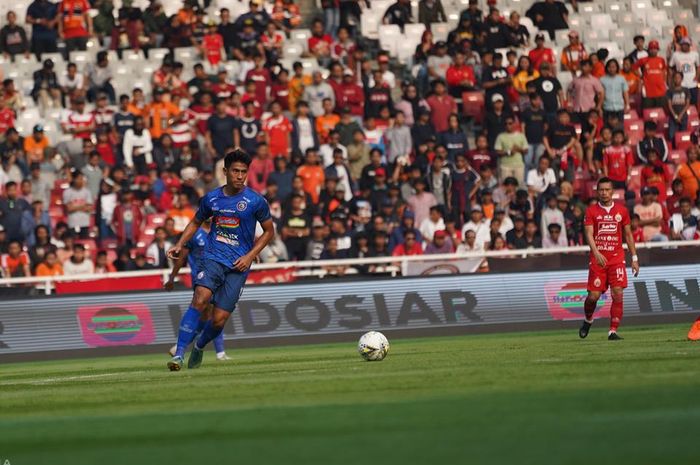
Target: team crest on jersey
x: 241, y: 206
x: 596, y: 283
x: 618, y: 217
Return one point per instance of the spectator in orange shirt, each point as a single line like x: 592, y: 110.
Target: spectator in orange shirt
x: 598, y: 61
x: 161, y: 114
x: 541, y: 54
x: 35, y: 145
x: 630, y: 76
x: 15, y: 263
x: 654, y: 77
x: 312, y: 175
x: 297, y: 84
x: 573, y: 54
x: 102, y: 265
x: 50, y: 266
x: 212, y: 47
x: 182, y: 212
x: 326, y: 122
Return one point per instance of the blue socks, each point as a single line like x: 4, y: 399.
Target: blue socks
x: 209, y: 334
x: 188, y: 330
x: 219, y: 343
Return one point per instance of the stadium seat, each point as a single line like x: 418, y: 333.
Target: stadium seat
x: 389, y: 36
x: 682, y: 140
x: 301, y: 36
x: 440, y: 31
x: 677, y: 157
x: 474, y: 106
x: 635, y: 180
x: 634, y: 130
x: 656, y: 114
x: 292, y: 50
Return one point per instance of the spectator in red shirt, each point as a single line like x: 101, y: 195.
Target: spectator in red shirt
x: 260, y: 75
x: 278, y: 130
x: 74, y: 24
x: 409, y: 246
x: 351, y: 95
x: 460, y: 76
x: 654, y: 77
x: 617, y: 159
x: 541, y: 54
x: 320, y: 43
x: 15, y: 263
x: 441, y: 106
x: 279, y: 90
x: 212, y: 47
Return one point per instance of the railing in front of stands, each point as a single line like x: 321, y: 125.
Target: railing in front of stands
x: 321, y: 268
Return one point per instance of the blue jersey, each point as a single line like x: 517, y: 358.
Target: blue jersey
x: 196, y: 245
x: 233, y: 223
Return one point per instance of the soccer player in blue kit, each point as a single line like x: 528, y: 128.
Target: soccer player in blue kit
x: 231, y: 249
x: 194, y: 250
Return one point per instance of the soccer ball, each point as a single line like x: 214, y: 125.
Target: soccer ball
x: 373, y: 346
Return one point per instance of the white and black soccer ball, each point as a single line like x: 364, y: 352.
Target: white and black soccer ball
x: 373, y: 346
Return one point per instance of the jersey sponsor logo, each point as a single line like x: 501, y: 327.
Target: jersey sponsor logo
x: 607, y: 228
x: 241, y: 206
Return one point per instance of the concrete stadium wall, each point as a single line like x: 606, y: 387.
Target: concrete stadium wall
x: 96, y: 324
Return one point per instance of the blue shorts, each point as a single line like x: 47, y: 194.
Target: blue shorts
x: 226, y: 284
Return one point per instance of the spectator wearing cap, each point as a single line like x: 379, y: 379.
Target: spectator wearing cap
x: 686, y: 61
x: 441, y: 244
x: 573, y: 54
x: 651, y: 216
x: 495, y: 122
x: 549, y: 15
x: 654, y: 76
x: 541, y: 54
x: 585, y: 93
x: 13, y: 38
x: 74, y: 24
x: 689, y: 174
x: 510, y: 146
x: 42, y: 15
x: 677, y: 102
x: 480, y: 226
x: 35, y: 145
x: 495, y: 80
x: 442, y: 105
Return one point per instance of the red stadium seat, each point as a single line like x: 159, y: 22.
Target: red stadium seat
x: 677, y: 157
x: 57, y: 197
x: 682, y: 140
x: 631, y: 115
x: 658, y: 115
x: 634, y: 130
x: 635, y: 180
x: 90, y: 247
x: 473, y: 105
x: 618, y: 194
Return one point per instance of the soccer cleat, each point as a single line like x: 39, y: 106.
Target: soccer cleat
x: 175, y: 364
x: 172, y: 350
x: 196, y: 355
x: 223, y: 357
x: 585, y: 327
x: 614, y: 337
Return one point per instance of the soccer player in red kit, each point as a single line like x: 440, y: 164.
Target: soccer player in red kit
x: 606, y: 224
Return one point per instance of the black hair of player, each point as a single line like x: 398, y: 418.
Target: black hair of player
x: 604, y: 180
x: 236, y: 156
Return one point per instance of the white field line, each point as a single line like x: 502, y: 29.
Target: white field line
x: 61, y: 379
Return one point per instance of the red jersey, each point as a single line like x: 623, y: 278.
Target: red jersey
x: 541, y: 55
x: 455, y: 75
x: 256, y: 104
x: 351, y: 96
x: 213, y: 43
x: 653, y: 76
x: 618, y: 160
x: 223, y: 90
x: 80, y: 121
x: 262, y: 80
x: 72, y: 12
x: 320, y: 45
x: 106, y: 153
x: 280, y: 93
x: 7, y: 119
x: 278, y: 128
x: 608, y: 229
x: 200, y: 115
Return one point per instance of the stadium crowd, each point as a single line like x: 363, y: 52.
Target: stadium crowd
x: 476, y: 145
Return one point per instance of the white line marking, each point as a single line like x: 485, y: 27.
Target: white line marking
x: 62, y: 379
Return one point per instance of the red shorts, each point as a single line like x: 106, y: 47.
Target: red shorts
x: 599, y: 278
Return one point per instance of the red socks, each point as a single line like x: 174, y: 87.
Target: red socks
x: 615, y: 312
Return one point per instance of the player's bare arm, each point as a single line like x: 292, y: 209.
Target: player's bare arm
x: 629, y: 239
x: 588, y: 231
x: 177, y: 266
x: 244, y: 262
x: 190, y: 230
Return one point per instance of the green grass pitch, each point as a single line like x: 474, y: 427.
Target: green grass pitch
x: 520, y: 398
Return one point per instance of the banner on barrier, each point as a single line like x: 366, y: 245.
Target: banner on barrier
x: 435, y: 267
x: 60, y: 323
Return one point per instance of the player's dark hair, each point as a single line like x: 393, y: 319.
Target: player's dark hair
x: 236, y: 156
x: 604, y: 180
